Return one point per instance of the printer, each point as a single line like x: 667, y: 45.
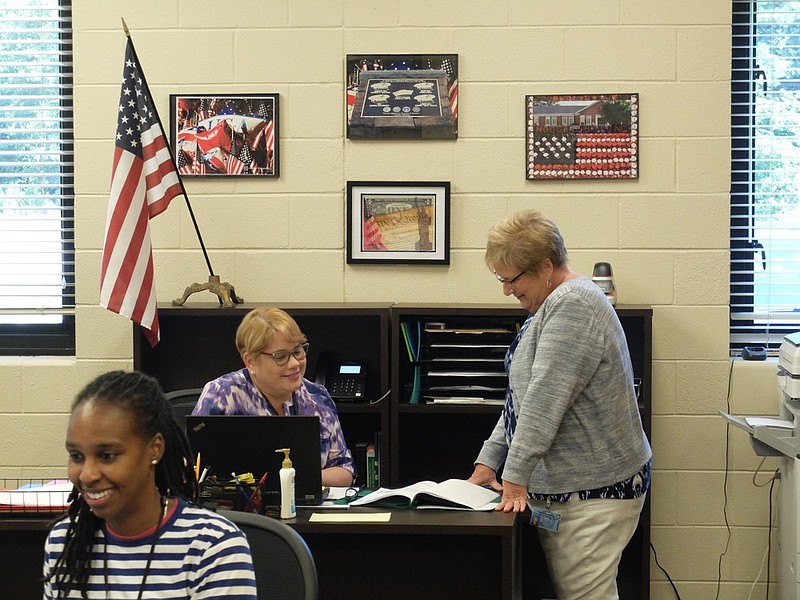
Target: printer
x: 781, y: 438
x: 788, y: 542
x: 789, y: 376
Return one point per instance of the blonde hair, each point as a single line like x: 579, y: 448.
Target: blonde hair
x: 261, y: 325
x: 524, y: 240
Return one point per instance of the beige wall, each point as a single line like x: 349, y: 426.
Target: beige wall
x: 282, y: 240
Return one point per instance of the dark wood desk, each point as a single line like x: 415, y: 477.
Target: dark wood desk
x: 22, y: 555
x: 417, y: 554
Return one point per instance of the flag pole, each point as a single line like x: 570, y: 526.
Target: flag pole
x: 224, y: 290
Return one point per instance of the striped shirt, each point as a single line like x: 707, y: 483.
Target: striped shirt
x: 198, y: 555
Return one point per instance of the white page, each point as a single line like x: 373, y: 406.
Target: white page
x: 769, y: 422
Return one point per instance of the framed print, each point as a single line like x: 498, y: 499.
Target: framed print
x: 586, y: 136
x: 225, y: 135
x: 401, y: 96
x: 398, y: 222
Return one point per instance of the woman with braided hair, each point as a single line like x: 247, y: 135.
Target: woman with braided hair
x: 132, y: 529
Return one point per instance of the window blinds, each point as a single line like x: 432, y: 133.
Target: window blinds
x: 37, y: 294
x: 765, y: 172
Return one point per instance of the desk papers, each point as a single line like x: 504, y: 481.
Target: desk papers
x: 350, y: 517
x: 453, y: 494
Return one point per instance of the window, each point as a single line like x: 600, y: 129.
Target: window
x: 765, y: 172
x: 37, y: 283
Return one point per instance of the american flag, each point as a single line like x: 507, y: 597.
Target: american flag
x: 583, y: 155
x: 266, y: 135
x: 203, y: 112
x: 271, y: 135
x: 143, y: 182
x: 247, y: 159
x: 235, y: 165
x: 198, y: 166
x: 184, y: 163
x: 373, y: 240
x: 453, y: 90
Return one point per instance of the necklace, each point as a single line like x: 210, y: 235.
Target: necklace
x: 161, y: 516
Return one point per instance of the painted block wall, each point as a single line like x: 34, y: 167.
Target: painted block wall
x: 282, y: 240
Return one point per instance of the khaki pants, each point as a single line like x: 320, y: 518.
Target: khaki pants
x: 584, y: 555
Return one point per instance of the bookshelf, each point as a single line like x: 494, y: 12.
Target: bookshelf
x: 418, y: 440
x: 198, y: 344
x: 436, y: 441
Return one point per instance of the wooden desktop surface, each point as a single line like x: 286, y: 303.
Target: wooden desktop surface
x: 416, y: 554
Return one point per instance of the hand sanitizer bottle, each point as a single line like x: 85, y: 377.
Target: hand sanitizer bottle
x: 286, y: 476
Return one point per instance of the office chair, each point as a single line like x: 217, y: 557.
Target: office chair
x: 284, y: 566
x: 182, y: 402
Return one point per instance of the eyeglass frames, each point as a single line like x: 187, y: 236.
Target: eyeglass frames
x: 511, y: 281
x: 281, y: 357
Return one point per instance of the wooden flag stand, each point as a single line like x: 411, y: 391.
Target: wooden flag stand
x: 224, y: 290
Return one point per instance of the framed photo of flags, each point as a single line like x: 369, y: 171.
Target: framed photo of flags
x: 398, y: 222
x: 401, y: 96
x: 225, y: 135
x: 585, y: 136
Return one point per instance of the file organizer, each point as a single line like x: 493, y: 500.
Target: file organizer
x: 461, y: 365
x: 33, y: 496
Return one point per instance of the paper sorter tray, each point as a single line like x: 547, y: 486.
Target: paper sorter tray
x: 25, y: 495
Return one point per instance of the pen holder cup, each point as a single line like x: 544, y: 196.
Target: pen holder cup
x: 227, y: 495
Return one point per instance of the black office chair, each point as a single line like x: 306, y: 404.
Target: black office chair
x: 284, y: 566
x: 182, y: 402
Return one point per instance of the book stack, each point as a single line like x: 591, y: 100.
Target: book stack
x: 368, y: 466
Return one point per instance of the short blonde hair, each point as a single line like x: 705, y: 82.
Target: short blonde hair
x: 261, y: 325
x: 524, y: 240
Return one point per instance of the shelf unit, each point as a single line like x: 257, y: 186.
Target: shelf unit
x: 438, y: 441
x: 417, y: 441
x: 432, y: 453
x: 198, y: 345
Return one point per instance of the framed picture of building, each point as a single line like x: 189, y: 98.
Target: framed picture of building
x: 231, y: 135
x: 401, y: 96
x: 398, y: 222
x: 585, y: 136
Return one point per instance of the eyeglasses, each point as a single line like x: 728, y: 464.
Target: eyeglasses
x: 511, y: 281
x: 281, y: 357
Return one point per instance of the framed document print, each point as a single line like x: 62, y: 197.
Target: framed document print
x: 586, y: 136
x: 398, y: 222
x: 233, y: 135
x: 401, y: 96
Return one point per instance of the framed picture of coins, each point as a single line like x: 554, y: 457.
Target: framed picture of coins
x: 401, y: 96
x: 584, y: 136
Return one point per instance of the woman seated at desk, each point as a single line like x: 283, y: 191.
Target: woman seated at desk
x: 273, y: 350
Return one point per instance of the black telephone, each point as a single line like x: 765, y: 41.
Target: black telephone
x: 346, y: 382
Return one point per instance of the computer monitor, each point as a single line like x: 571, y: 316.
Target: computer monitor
x: 247, y: 444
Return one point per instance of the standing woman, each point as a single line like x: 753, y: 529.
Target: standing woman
x: 272, y: 383
x: 570, y: 440
x: 132, y: 530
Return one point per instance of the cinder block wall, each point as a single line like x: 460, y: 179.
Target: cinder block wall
x: 666, y: 234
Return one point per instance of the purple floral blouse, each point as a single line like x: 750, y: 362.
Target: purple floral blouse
x: 236, y: 394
